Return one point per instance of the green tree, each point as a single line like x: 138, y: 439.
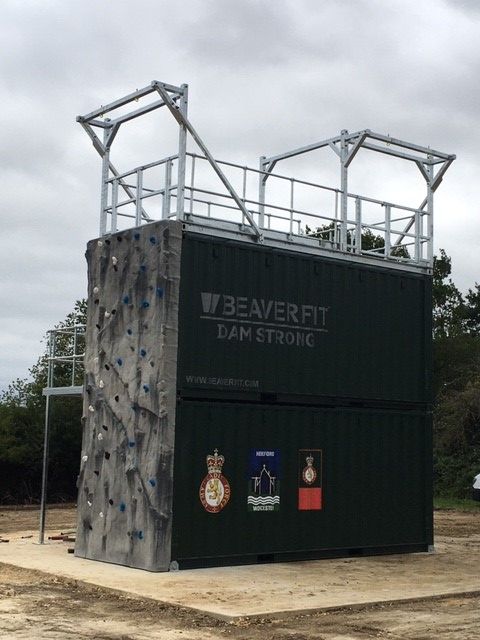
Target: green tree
x: 22, y: 418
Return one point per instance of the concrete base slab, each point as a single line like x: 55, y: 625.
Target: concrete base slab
x: 272, y: 590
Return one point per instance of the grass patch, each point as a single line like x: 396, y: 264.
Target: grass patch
x: 457, y: 504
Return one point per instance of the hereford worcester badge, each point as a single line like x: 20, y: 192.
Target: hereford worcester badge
x: 214, y: 490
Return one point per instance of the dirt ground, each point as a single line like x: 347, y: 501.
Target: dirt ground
x: 38, y: 606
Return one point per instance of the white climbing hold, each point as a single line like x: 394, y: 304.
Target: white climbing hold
x: 84, y: 458
x: 107, y: 314
x: 101, y: 384
x: 100, y: 243
x: 96, y: 289
x: 114, y: 260
x: 100, y: 436
x: 89, y: 503
x: 101, y: 514
x: 90, y: 408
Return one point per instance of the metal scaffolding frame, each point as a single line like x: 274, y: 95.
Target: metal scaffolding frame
x: 64, y: 372
x: 406, y: 232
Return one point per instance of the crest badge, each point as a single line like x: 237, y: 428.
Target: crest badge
x: 264, y: 480
x: 214, y: 491
x: 310, y: 486
x: 309, y: 474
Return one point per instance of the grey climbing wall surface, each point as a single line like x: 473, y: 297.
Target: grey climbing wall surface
x: 125, y: 482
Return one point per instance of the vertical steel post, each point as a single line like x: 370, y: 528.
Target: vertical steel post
x: 358, y: 225
x: 182, y: 153
x: 192, y: 185
x: 344, y: 191
x: 429, y: 169
x: 167, y: 193
x: 262, y: 179
x: 113, y: 225
x: 138, y: 199
x: 292, y: 186
x: 46, y: 442
x: 104, y: 185
x: 418, y: 255
x: 388, y: 241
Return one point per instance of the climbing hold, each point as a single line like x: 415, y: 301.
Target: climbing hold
x: 97, y: 473
x: 140, y: 535
x: 100, y: 243
x: 107, y: 314
x: 104, y: 426
x: 107, y: 241
x: 96, y: 290
x: 107, y: 367
x: 153, y: 240
x: 146, y: 388
x: 152, y: 481
x: 119, y: 238
x: 160, y: 292
x: 114, y: 260
x: 90, y: 408
x: 101, y: 514
x: 129, y: 331
x: 117, y: 398
x: 84, y: 458
x: 107, y: 455
x: 100, y: 436
x: 136, y: 236
x: 122, y: 507
x: 98, y: 326
x: 131, y: 443
x: 101, y: 384
x: 119, y: 362
x: 89, y: 503
x: 114, y: 311
x: 145, y: 304
x: 143, y: 353
x: 143, y: 268
x: 110, y: 501
x: 126, y: 299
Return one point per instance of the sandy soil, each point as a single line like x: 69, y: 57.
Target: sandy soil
x: 36, y: 606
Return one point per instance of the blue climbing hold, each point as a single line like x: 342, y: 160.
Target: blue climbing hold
x: 145, y: 304
x: 143, y: 268
x: 140, y: 535
x: 119, y: 362
x: 131, y: 443
x: 146, y: 388
x: 136, y: 236
x: 143, y: 353
x: 122, y: 507
x: 129, y: 331
x: 160, y: 292
x: 153, y: 482
x: 153, y: 240
x: 126, y: 299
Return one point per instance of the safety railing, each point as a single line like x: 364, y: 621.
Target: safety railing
x: 290, y: 206
x: 66, y: 352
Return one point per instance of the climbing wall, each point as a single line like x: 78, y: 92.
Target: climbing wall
x: 125, y: 482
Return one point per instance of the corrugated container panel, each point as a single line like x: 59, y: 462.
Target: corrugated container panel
x: 373, y: 468
x: 256, y: 321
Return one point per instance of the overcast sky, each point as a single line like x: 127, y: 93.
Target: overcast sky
x: 264, y: 76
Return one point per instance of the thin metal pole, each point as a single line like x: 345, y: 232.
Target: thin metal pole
x: 104, y: 186
x: 192, y: 190
x: 358, y: 225
x: 113, y: 223
x: 262, y: 181
x: 388, y: 218
x: 182, y: 159
x: 429, y: 169
x: 292, y: 187
x: 344, y: 190
x: 46, y: 440
x: 166, y: 194
x: 139, y: 194
x: 43, y: 501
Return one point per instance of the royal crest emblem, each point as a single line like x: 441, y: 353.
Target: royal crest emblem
x: 214, y: 491
x: 309, y: 474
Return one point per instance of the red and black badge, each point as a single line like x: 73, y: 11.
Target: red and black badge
x: 310, y: 480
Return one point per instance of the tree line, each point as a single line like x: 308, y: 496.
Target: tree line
x: 456, y: 406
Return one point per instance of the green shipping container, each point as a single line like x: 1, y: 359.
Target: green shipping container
x: 264, y: 324
x: 298, y: 482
